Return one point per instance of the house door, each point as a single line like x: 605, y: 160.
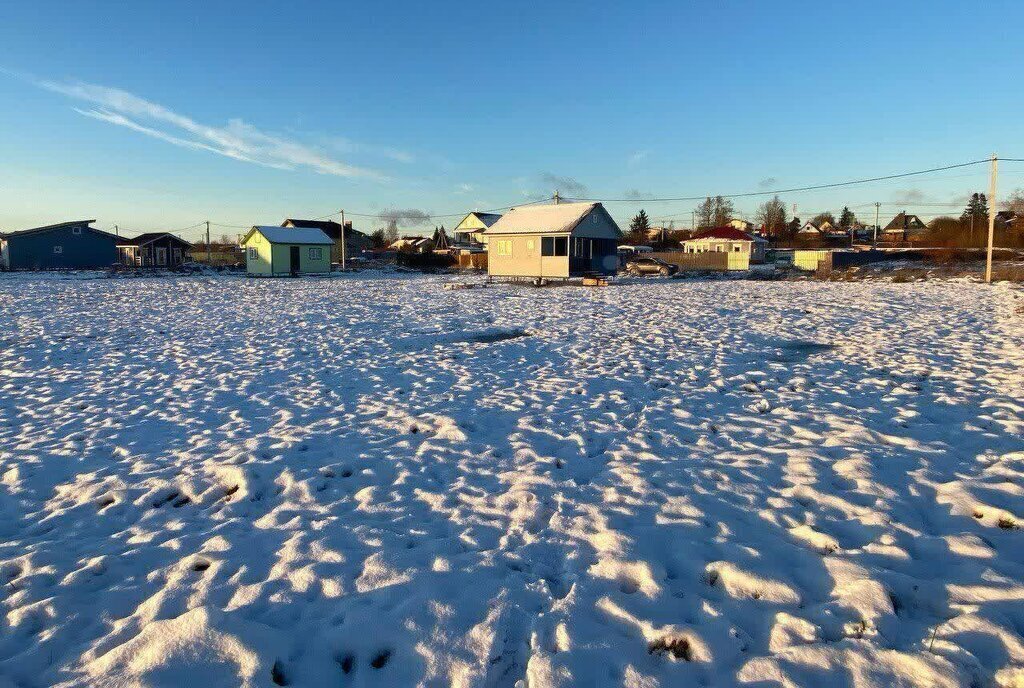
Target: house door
x: 294, y: 259
x: 161, y: 255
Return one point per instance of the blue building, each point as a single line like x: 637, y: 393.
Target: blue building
x: 66, y: 246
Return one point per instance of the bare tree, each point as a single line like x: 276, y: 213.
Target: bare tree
x: 821, y: 218
x: 1015, y: 202
x: 772, y: 216
x: 714, y: 212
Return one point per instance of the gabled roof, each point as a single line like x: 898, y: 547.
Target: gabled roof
x: 147, y: 238
x: 487, y: 219
x: 60, y: 225
x: 328, y: 227
x: 903, y: 221
x: 559, y: 218
x: 289, y: 235
x: 410, y: 241
x: 725, y: 234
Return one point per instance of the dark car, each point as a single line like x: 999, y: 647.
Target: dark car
x: 642, y: 265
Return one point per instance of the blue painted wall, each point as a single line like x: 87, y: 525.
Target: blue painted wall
x: 35, y: 251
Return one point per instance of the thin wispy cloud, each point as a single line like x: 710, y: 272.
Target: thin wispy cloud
x: 344, y: 145
x: 637, y: 157
x: 237, y: 140
x: 768, y: 183
x: 637, y: 194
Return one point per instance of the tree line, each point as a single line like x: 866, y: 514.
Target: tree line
x: 774, y: 221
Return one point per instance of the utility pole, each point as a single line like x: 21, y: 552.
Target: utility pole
x: 557, y: 197
x: 693, y: 220
x: 344, y: 248
x: 116, y: 233
x: 991, y: 216
x: 875, y: 239
x: 209, y: 258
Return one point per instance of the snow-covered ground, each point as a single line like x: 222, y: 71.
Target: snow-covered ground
x: 372, y: 481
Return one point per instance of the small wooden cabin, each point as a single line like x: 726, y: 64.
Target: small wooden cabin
x: 153, y: 250
x: 904, y: 227
x: 281, y: 251
x: 355, y: 241
x: 553, y: 242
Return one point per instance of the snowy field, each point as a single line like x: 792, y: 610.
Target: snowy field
x: 371, y: 481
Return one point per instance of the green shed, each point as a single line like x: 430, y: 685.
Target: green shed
x: 282, y: 251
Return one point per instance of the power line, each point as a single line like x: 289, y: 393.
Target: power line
x: 796, y: 189
x: 747, y: 194
x: 436, y: 216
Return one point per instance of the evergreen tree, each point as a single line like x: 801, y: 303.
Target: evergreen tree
x: 846, y: 219
x: 640, y: 223
x: 977, y: 207
x: 793, y: 227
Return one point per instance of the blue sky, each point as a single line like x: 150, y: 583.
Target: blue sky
x: 157, y: 117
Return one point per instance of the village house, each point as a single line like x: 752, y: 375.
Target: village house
x: 152, y: 250
x: 70, y: 245
x: 904, y: 227
x: 553, y: 242
x: 811, y: 230
x: 741, y: 225
x: 1006, y: 219
x: 280, y: 251
x: 355, y: 241
x: 727, y: 240
x: 470, y: 233
x: 412, y: 244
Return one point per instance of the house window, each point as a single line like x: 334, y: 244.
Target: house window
x: 503, y: 247
x: 316, y: 253
x: 176, y: 253
x: 737, y: 248
x: 58, y: 249
x: 76, y: 230
x: 530, y: 245
x: 254, y: 253
x: 554, y: 246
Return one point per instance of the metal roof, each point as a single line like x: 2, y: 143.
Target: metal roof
x: 290, y: 235
x: 558, y: 218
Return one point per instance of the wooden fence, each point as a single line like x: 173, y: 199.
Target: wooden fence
x: 472, y: 261
x: 710, y: 260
